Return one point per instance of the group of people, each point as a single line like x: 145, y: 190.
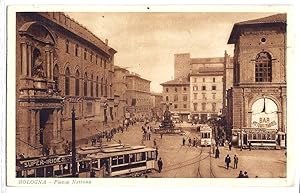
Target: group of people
x: 146, y: 129
x: 243, y: 175
x: 228, y: 161
x: 191, y: 142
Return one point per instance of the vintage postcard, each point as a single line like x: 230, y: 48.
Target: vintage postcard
x: 194, y: 94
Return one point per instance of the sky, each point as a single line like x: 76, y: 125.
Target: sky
x: 146, y: 42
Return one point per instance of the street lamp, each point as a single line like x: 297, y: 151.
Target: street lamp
x: 74, y: 165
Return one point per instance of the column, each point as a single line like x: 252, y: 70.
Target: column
x: 246, y: 117
x: 55, y: 124
x: 24, y: 58
x: 59, y: 123
x: 37, y: 126
x: 33, y: 127
x: 29, y: 56
x: 48, y: 62
x: 51, y: 65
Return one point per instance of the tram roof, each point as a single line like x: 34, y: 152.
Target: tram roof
x: 110, y: 154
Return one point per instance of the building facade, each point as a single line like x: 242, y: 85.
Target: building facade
x: 138, y: 96
x: 206, y: 88
x: 60, y: 65
x: 176, y: 94
x: 258, y: 97
x: 157, y: 105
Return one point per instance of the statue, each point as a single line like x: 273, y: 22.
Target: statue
x: 38, y: 68
x: 167, y: 114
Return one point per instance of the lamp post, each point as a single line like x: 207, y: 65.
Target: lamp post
x: 74, y: 165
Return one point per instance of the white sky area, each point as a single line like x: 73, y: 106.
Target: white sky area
x: 146, y: 42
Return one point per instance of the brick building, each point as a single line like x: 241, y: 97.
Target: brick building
x: 257, y: 100
x: 60, y: 65
x: 177, y: 95
x: 138, y: 96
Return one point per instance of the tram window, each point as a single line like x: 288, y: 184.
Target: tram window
x: 30, y: 173
x: 126, y: 158
x: 66, y: 168
x: 49, y: 171
x: 254, y: 136
x: 132, y: 157
x: 114, y: 161
x: 249, y: 136
x: 40, y: 172
x: 208, y: 135
x: 120, y: 159
x: 95, y: 164
x: 153, y: 154
x: 57, y: 170
x: 273, y: 136
x: 138, y: 157
x: 282, y: 137
x: 263, y: 136
x: 258, y: 136
x: 143, y: 155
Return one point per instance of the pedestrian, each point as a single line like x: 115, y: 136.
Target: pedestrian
x: 159, y: 164
x: 190, y: 141
x: 229, y: 145
x: 227, y: 161
x: 149, y: 136
x: 194, y: 142
x: 183, y: 141
x: 120, y: 142
x: 241, y: 175
x: 235, y: 161
x: 161, y: 135
x: 156, y: 153
x: 246, y: 175
x: 250, y: 146
x: 217, y: 155
x: 154, y: 142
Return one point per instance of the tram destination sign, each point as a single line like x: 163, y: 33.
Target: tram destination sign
x: 44, y: 161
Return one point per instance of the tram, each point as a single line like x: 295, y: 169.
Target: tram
x: 55, y: 166
x: 122, y: 161
x: 205, y: 135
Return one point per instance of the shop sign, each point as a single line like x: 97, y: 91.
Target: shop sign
x: 44, y: 161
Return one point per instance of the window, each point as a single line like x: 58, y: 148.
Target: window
x: 67, y: 46
x: 203, y: 87
x: 175, y: 89
x: 203, y: 96
x: 195, y: 106
x: 184, y: 89
x: 97, y: 87
x: 203, y: 106
x: 96, y: 59
x: 167, y: 89
x: 214, y: 88
x: 85, y: 54
x: 89, y: 108
x: 195, y: 79
x: 67, y: 82
x: 184, y: 106
x: 77, y: 83
x: 92, y: 85
x: 101, y: 62
x: 214, y: 79
x: 91, y: 57
x: 175, y: 106
x: 76, y: 50
x: 195, y: 96
x: 85, y: 85
x: 167, y: 98
x: 184, y: 97
x: 263, y: 67
x: 203, y: 79
x: 101, y: 87
x: 175, y: 97
x: 195, y: 88
x: 105, y: 88
x: 213, y: 95
x: 213, y: 107
x: 104, y: 63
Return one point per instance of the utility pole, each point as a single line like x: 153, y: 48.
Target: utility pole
x: 74, y: 165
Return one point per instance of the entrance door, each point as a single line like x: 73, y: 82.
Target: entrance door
x: 245, y: 139
x: 46, y: 125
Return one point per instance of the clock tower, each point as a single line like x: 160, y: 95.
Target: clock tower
x: 257, y: 101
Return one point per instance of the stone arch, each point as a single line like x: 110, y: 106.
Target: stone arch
x: 274, y: 99
x: 38, y: 31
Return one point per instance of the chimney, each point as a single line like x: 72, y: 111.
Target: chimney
x: 106, y: 41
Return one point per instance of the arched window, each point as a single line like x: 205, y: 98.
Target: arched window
x: 56, y: 77
x: 67, y: 46
x: 92, y: 86
x: 97, y: 87
x: 105, y: 88
x: 101, y: 88
x: 76, y: 50
x: 85, y: 85
x: 67, y: 81
x: 263, y: 67
x: 77, y: 83
x: 85, y: 54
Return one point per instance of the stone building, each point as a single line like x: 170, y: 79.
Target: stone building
x: 138, y: 96
x: 60, y: 65
x: 257, y: 100
x: 176, y: 94
x: 157, y: 105
x: 206, y: 87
